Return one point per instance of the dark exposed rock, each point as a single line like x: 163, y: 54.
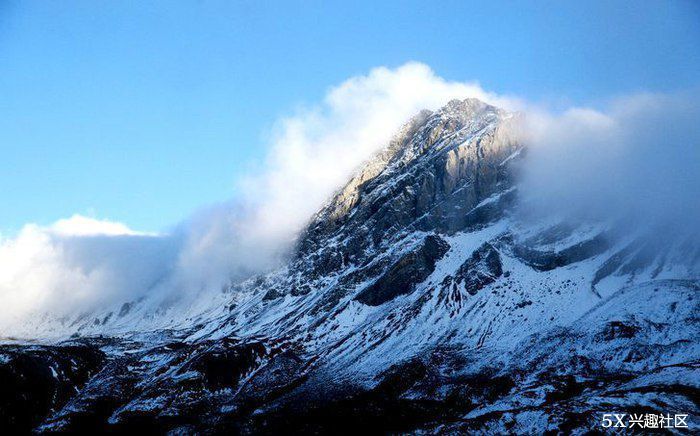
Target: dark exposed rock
x: 524, y: 303
x: 36, y: 380
x: 549, y: 260
x: 482, y: 268
x: 400, y: 402
x: 225, y: 362
x: 272, y: 294
x: 382, y: 409
x: 410, y: 270
x: 90, y: 412
x: 619, y: 329
x: 280, y: 375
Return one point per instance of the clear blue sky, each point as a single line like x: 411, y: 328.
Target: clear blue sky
x: 143, y: 110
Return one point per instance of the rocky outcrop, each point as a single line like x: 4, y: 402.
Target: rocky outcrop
x: 481, y: 269
x: 36, y: 380
x: 448, y: 162
x: 410, y: 270
x: 549, y: 260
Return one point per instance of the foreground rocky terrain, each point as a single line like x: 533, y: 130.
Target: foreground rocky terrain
x: 419, y: 299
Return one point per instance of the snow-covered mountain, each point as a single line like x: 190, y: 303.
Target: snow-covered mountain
x: 420, y: 298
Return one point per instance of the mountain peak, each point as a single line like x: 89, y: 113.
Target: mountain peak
x: 438, y: 159
x: 467, y: 106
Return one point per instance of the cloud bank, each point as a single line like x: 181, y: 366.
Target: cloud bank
x: 74, y: 265
x: 640, y: 155
x: 82, y: 264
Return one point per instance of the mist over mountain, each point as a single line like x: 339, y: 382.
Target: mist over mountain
x: 639, y: 158
x: 312, y: 153
x: 416, y: 256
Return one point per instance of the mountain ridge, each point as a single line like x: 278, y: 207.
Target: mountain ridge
x: 417, y: 299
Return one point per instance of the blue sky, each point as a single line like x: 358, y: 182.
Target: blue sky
x: 142, y: 111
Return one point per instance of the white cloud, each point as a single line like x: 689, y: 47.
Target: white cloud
x: 78, y: 225
x: 74, y: 265
x: 640, y: 156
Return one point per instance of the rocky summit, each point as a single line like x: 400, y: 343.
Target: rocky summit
x: 418, y: 299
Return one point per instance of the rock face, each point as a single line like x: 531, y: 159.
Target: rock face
x: 410, y: 270
x: 37, y: 380
x: 481, y: 269
x: 416, y: 301
x: 437, y: 169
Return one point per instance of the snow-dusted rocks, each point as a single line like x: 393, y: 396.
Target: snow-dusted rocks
x: 403, y: 276
x: 418, y: 300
